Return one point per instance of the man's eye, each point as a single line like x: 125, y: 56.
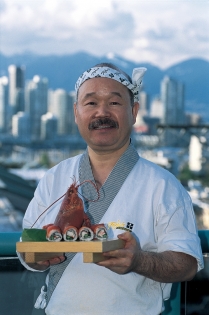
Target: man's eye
x: 91, y: 103
x: 114, y: 103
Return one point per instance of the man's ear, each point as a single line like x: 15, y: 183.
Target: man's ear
x: 135, y: 110
x: 75, y: 111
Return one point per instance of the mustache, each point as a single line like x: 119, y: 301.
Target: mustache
x: 103, y: 121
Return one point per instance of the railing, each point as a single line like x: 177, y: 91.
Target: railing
x: 8, y: 257
x: 173, y: 305
x: 8, y: 243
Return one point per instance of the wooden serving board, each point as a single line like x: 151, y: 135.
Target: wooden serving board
x: 92, y: 250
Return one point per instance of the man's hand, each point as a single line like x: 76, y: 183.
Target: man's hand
x: 43, y: 265
x: 166, y: 267
x: 123, y: 260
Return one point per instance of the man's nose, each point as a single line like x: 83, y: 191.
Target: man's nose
x: 103, y: 110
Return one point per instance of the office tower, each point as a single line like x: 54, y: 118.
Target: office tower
x: 172, y: 96
x: 36, y: 102
x: 140, y: 125
x: 61, y: 106
x: 50, y: 100
x: 195, y: 155
x: 193, y: 119
x: 4, y: 104
x: 156, y: 108
x: 16, y: 88
x: 20, y: 125
x: 48, y: 126
x: 73, y: 125
x: 144, y: 103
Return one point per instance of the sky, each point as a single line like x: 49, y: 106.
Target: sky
x: 161, y: 32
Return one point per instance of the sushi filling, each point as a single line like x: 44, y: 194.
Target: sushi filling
x: 101, y: 233
x: 55, y: 237
x: 71, y: 235
x: 86, y: 234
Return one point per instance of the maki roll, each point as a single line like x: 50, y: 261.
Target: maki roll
x: 53, y: 233
x: 85, y: 234
x: 100, y: 231
x: 70, y: 233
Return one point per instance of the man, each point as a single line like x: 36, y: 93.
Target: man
x: 141, y: 203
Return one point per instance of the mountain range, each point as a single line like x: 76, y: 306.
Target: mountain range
x: 63, y: 71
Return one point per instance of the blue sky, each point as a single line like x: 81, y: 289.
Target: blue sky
x: 162, y: 32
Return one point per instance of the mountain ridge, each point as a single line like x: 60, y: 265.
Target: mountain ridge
x: 63, y: 71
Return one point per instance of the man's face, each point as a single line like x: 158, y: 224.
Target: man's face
x: 104, y: 114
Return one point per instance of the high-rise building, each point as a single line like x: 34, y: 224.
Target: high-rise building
x: 172, y: 97
x: 59, y: 108
x: 20, y: 125
x: 36, y: 103
x: 16, y: 88
x: 73, y: 125
x: 4, y: 104
x: 140, y: 125
x: 48, y: 126
x: 195, y: 155
x: 144, y: 103
x: 156, y: 109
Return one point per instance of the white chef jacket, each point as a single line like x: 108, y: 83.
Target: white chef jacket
x: 159, y: 211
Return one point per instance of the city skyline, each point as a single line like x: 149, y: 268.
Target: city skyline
x: 25, y: 107
x: 159, y: 32
x: 35, y: 111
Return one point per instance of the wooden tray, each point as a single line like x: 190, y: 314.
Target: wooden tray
x: 92, y: 250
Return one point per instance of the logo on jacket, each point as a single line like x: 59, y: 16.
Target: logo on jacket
x: 121, y: 225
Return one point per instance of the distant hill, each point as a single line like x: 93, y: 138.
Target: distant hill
x: 63, y: 71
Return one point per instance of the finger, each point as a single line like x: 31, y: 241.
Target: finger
x: 129, y: 240
x: 112, y: 261
x: 44, y: 263
x: 115, y: 265
x: 53, y: 261
x: 114, y: 253
x: 126, y: 236
x: 57, y: 260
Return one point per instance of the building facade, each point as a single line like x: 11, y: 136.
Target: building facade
x: 48, y: 126
x: 172, y: 98
x: 20, y: 125
x: 4, y: 104
x: 36, y: 103
x: 16, y: 88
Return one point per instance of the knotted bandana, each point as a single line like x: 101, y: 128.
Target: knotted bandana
x: 106, y: 72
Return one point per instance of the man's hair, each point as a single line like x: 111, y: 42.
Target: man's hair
x: 111, y: 65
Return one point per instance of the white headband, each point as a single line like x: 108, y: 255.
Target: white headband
x: 106, y: 72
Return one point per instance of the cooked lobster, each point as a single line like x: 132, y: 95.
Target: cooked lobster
x: 72, y: 222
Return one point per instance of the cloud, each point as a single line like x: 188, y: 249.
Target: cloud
x: 61, y: 27
x: 161, y: 32
x: 169, y: 31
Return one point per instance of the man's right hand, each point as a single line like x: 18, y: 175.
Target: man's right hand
x: 44, y: 265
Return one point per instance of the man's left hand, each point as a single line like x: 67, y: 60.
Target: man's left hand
x: 123, y: 260
x: 166, y: 267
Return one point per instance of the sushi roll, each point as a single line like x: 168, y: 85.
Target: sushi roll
x: 85, y: 234
x: 53, y: 233
x: 100, y: 231
x: 70, y: 233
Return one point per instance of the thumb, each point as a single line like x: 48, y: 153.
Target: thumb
x: 129, y: 239
x: 126, y: 236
